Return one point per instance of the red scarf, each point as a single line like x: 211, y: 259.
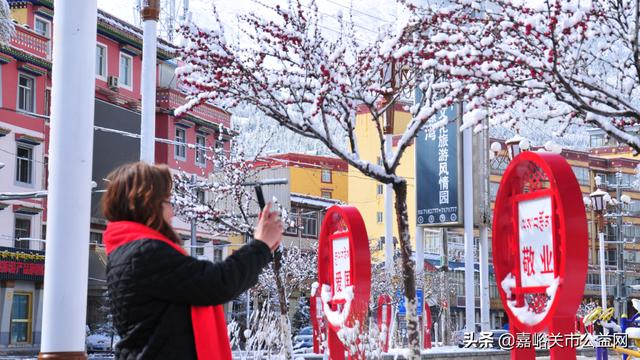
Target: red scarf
x: 209, y: 326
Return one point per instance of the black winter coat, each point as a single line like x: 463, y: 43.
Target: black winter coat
x: 152, y: 287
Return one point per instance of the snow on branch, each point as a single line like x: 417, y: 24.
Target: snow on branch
x: 7, y: 28
x: 572, y: 61
x: 316, y: 85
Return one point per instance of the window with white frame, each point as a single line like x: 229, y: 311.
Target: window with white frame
x: 379, y: 217
x: 22, y: 229
x: 200, y: 150
x: 327, y: 194
x: 125, y: 78
x: 200, y: 195
x: 101, y: 61
x: 379, y: 189
x: 42, y: 27
x: 24, y: 164
x: 326, y: 175
x: 217, y: 255
x: 199, y: 250
x: 95, y: 237
x: 47, y: 102
x: 26, y: 93
x: 181, y: 146
x: 219, y: 145
x: 21, y: 318
x: 309, y: 223
x: 582, y: 174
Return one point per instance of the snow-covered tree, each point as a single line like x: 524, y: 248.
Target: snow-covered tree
x: 7, y: 28
x: 314, y: 85
x: 570, y: 61
x: 229, y: 207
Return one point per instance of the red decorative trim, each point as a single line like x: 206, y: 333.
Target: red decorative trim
x: 398, y: 107
x: 26, y: 209
x: 28, y: 139
x: 396, y: 139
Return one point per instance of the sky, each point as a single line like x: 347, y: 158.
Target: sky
x: 368, y: 15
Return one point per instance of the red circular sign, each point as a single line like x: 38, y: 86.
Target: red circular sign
x: 344, y: 268
x: 540, y: 244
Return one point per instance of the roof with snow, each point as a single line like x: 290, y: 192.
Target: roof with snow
x: 313, y: 201
x: 306, y: 161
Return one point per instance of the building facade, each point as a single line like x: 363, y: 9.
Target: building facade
x: 25, y: 97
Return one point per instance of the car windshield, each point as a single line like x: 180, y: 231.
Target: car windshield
x: 306, y: 331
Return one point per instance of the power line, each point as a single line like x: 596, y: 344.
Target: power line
x: 338, y: 18
x: 359, y: 11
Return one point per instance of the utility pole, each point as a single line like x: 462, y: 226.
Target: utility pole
x: 185, y: 10
x: 620, y: 286
x: 483, y: 223
x: 194, y: 228
x: 389, y: 76
x: 69, y: 197
x: 150, y: 14
x: 469, y: 281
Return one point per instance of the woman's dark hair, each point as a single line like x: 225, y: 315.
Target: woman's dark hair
x: 135, y: 192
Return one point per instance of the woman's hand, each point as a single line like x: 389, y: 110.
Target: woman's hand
x: 269, y: 228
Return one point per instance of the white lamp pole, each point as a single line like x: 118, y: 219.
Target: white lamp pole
x: 469, y: 281
x: 150, y: 14
x: 69, y: 201
x: 597, y: 201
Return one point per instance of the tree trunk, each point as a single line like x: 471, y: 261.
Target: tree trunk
x: 285, y: 324
x: 408, y: 269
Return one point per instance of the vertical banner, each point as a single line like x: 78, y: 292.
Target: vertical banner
x: 341, y: 266
x: 536, y: 245
x: 438, y: 172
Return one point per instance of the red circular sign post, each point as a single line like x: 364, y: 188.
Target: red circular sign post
x: 384, y: 320
x: 540, y: 249
x: 317, y: 322
x: 426, y: 335
x: 344, y: 274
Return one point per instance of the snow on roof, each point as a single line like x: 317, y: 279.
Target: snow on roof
x: 313, y: 200
x: 124, y: 26
x: 308, y: 160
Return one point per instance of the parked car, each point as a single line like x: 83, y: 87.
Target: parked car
x: 303, y: 341
x: 101, y: 342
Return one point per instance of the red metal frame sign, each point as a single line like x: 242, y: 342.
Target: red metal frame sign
x: 427, y: 326
x: 344, y: 274
x: 540, y: 247
x: 384, y: 318
x: 317, y: 322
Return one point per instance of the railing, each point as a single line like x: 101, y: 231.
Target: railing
x: 596, y: 288
x: 32, y: 43
x: 171, y: 99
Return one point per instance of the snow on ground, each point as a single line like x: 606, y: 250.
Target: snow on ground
x: 442, y: 350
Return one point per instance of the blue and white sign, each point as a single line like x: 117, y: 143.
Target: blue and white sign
x: 402, y: 310
x: 438, y: 173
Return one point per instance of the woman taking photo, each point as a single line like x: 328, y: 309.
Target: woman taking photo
x: 165, y: 304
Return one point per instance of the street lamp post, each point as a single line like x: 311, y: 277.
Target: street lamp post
x: 597, y: 201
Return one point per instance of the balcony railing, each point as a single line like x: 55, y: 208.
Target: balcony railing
x: 596, y: 288
x: 31, y: 42
x: 171, y: 99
